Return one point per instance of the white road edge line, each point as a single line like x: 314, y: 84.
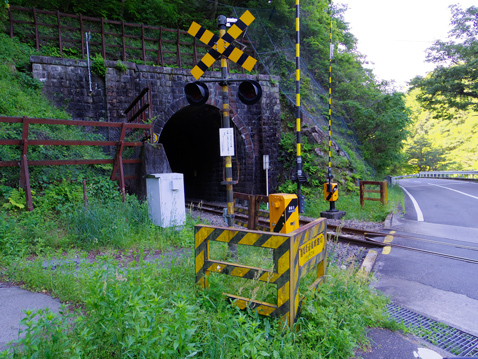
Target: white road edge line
x: 451, y: 189
x: 415, y: 205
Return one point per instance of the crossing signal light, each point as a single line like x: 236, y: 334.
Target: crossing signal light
x: 250, y: 92
x: 197, y: 93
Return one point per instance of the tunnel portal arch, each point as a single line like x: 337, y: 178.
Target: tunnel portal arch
x: 191, y: 141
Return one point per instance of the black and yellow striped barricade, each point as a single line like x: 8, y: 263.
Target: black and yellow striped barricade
x: 294, y: 255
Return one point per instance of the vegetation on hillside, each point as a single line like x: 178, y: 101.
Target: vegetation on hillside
x: 358, y: 96
x: 453, y: 85
x: 444, y: 104
x: 21, y: 95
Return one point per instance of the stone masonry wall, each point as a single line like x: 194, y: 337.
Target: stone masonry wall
x: 65, y: 83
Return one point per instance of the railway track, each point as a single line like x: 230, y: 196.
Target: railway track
x: 358, y: 237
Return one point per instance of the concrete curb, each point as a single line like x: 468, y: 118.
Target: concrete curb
x: 369, y: 261
x: 372, y: 255
x: 388, y: 221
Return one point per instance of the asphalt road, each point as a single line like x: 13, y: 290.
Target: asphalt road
x: 440, y: 216
x: 442, y: 201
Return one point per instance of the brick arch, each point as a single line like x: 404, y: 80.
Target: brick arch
x: 258, y: 125
x: 244, y: 130
x: 181, y: 102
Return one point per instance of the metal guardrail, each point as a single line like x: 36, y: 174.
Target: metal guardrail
x: 440, y: 174
x: 396, y: 178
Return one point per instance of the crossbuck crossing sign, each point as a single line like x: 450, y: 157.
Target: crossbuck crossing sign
x: 222, y: 45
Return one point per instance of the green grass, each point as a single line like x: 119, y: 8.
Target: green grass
x: 350, y: 203
x: 145, y: 310
x: 142, y: 309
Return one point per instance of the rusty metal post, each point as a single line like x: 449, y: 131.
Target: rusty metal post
x: 251, y: 221
x: 362, y: 188
x: 85, y: 198
x: 26, y: 176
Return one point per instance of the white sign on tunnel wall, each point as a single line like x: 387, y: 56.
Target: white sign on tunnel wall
x: 226, y: 141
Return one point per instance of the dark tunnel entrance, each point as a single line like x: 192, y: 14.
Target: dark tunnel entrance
x: 191, y: 142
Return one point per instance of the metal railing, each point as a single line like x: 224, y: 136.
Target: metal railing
x: 25, y: 140
x: 113, y: 40
x: 449, y: 174
x: 459, y: 175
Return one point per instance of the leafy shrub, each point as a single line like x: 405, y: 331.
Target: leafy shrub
x: 120, y: 66
x: 16, y: 199
x: 60, y: 196
x: 5, y: 191
x: 98, y: 66
x: 103, y: 189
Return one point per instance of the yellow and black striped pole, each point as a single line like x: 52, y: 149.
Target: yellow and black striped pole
x: 331, y: 190
x: 331, y: 55
x: 226, y: 123
x: 300, y: 175
x: 331, y: 193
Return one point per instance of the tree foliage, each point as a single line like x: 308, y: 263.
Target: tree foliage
x: 375, y: 112
x: 381, y: 126
x: 454, y: 82
x: 434, y: 144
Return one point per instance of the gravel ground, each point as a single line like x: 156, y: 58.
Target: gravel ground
x: 341, y: 254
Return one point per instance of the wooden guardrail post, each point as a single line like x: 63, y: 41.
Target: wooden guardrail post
x: 383, y: 192
x: 253, y: 203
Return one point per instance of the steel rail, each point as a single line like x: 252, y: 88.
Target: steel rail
x: 473, y: 248
x: 366, y: 242
x: 212, y: 208
x: 450, y: 256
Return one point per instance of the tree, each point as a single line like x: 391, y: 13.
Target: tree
x: 381, y: 128
x: 453, y: 84
x: 423, y: 155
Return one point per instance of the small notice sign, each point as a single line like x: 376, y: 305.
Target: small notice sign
x: 226, y: 141
x: 311, y: 249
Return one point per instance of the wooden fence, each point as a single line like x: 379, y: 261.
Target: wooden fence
x: 114, y: 40
x: 382, y: 191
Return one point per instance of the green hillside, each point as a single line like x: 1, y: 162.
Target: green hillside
x: 444, y: 132
x: 441, y: 144
x: 369, y: 118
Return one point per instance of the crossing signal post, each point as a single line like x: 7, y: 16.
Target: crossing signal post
x: 331, y: 190
x: 249, y: 93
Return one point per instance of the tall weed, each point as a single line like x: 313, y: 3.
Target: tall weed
x: 153, y: 310
x: 350, y: 202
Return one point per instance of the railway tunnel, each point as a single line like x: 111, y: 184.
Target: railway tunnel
x: 191, y: 142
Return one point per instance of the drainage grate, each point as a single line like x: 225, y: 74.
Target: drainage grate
x: 443, y: 336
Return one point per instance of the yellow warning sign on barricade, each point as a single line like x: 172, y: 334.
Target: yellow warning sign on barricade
x: 294, y: 255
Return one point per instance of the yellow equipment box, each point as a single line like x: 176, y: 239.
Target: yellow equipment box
x: 283, y: 212
x: 331, y: 195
